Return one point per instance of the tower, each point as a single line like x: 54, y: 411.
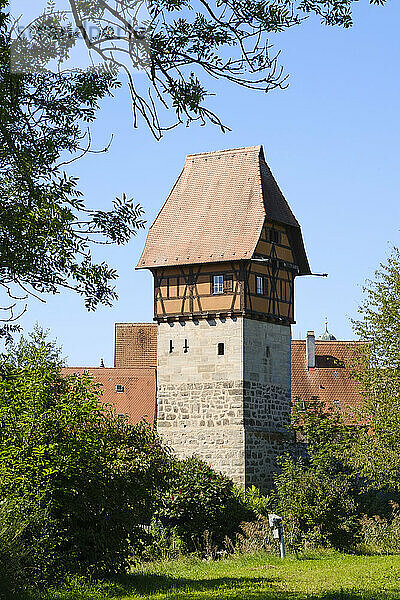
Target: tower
x: 224, y: 250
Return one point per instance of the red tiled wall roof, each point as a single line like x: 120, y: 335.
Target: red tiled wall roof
x: 329, y: 380
x: 138, y: 399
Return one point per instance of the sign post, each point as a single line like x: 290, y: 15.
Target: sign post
x: 275, y: 522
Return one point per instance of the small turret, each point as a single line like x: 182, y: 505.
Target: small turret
x: 326, y: 336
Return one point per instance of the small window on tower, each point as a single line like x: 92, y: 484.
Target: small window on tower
x: 221, y: 349
x: 261, y: 285
x: 119, y: 388
x: 274, y: 236
x: 186, y: 346
x: 171, y: 346
x: 218, y: 284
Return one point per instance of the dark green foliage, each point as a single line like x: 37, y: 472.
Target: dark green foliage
x: 377, y: 369
x: 317, y: 495
x: 318, y: 508
x: 13, y: 553
x: 88, y: 478
x: 197, y: 500
x: 46, y: 231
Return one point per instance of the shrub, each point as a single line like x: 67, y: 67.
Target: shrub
x: 253, y: 500
x: 318, y: 507
x: 12, y: 551
x: 199, y: 499
x: 156, y: 542
x: 92, y: 478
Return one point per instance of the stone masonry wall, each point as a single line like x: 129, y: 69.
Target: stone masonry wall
x: 230, y: 410
x: 266, y: 401
x: 200, y: 394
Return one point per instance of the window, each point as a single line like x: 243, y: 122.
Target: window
x: 274, y: 236
x: 171, y: 346
x: 261, y: 285
x: 218, y: 284
x: 221, y: 349
x: 301, y: 405
x: 228, y: 283
x: 186, y: 346
x: 119, y: 388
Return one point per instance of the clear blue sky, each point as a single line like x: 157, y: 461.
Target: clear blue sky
x: 332, y: 142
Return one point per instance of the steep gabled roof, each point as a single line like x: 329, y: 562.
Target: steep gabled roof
x: 216, y: 211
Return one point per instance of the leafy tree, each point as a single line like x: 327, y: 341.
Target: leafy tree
x: 376, y: 454
x: 180, y: 41
x: 315, y: 491
x: 46, y: 231
x: 318, y: 508
x: 81, y: 478
x: 326, y: 436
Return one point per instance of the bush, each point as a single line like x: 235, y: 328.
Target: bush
x: 12, y: 552
x: 318, y: 507
x: 157, y: 542
x: 197, y: 500
x: 253, y: 500
x: 90, y: 477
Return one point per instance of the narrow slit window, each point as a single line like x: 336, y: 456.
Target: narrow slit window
x: 221, y: 349
x: 171, y: 347
x: 186, y: 346
x: 259, y: 285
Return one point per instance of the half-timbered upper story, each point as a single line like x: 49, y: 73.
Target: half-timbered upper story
x: 225, y: 243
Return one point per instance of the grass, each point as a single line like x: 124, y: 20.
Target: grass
x: 322, y: 576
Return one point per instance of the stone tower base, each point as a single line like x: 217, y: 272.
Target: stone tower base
x: 230, y: 409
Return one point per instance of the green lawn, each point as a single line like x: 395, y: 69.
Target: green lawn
x: 327, y: 577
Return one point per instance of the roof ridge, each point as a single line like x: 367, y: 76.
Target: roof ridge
x: 226, y: 151
x: 104, y: 369
x: 135, y: 323
x: 303, y: 341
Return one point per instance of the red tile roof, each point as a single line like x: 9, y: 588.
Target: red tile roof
x: 216, y: 211
x: 138, y: 398
x: 330, y: 380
